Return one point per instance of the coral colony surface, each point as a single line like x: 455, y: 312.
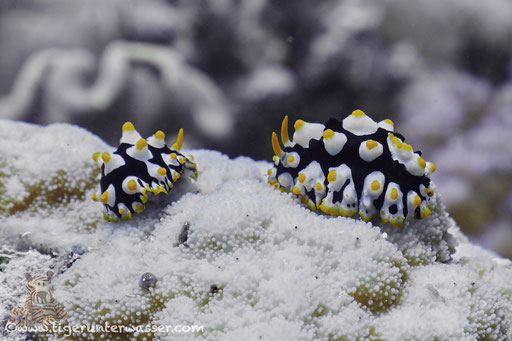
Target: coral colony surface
x: 233, y: 254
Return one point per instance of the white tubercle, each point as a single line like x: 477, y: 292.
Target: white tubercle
x: 398, y: 149
x: 387, y: 124
x: 309, y: 176
x: 139, y: 151
x: 110, y: 215
x: 372, y: 188
x: 111, y: 196
x: 423, y: 190
x: 337, y: 177
x: 168, y: 160
x: 393, y: 196
x: 130, y: 136
x: 349, y: 201
x: 137, y: 206
x: 414, y: 167
x: 155, y: 171
x: 156, y: 142
x: 123, y: 210
x: 285, y: 180
x: 334, y: 141
x: 320, y: 190
x: 359, y: 124
x: 115, y: 161
x: 131, y: 185
x: 271, y: 173
x: 174, y: 174
x: 413, y: 201
x: 430, y: 168
x: 403, y: 153
x: 291, y: 160
x: 305, y: 132
x: 369, y: 150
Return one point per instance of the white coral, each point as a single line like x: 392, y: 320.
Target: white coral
x: 255, y: 262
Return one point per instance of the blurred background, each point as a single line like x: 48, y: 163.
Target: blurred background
x: 229, y: 70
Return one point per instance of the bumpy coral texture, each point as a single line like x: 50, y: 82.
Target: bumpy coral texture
x: 37, y: 173
x: 137, y: 166
x: 356, y: 165
x: 241, y: 259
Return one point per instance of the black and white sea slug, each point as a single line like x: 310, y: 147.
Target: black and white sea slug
x: 353, y: 166
x: 139, y: 166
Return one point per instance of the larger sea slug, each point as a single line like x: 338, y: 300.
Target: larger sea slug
x: 353, y: 166
x: 139, y: 166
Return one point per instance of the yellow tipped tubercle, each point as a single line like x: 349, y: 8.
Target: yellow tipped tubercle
x: 96, y: 156
x: 275, y: 145
x: 331, y: 176
x: 370, y: 144
x: 298, y: 124
x: 138, y: 207
x: 417, y: 200
x: 132, y: 185
x: 141, y: 144
x: 375, y: 185
x: 429, y: 192
x: 328, y: 133
x: 358, y: 113
x: 105, y: 156
x: 284, y: 130
x: 128, y: 216
x: 395, y: 140
x: 179, y: 140
x: 160, y: 135
x: 432, y: 167
x: 104, y: 197
x: 394, y: 194
x: 128, y: 126
x: 425, y: 212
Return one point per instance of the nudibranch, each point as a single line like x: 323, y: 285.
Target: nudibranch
x: 139, y: 166
x: 353, y: 166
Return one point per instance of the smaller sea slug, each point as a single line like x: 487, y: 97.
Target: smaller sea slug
x: 139, y: 166
x: 353, y: 166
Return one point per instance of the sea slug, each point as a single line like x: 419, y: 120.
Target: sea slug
x: 353, y: 166
x: 137, y: 166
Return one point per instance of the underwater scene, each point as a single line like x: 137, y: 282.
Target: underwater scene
x: 255, y: 170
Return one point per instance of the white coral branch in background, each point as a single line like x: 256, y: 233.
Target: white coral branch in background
x: 60, y: 74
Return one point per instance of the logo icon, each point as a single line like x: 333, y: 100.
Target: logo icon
x: 40, y: 305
